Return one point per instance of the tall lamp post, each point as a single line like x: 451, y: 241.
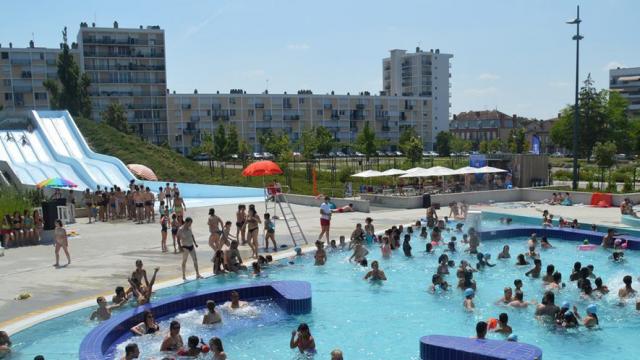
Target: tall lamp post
x: 577, y: 37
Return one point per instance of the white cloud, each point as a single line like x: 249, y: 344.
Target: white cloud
x: 558, y: 84
x: 481, y: 92
x: 612, y: 65
x: 488, y: 76
x: 255, y: 73
x: 300, y: 46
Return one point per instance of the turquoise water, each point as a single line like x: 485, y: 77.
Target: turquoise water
x: 372, y: 321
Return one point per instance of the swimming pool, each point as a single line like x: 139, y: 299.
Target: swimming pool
x: 369, y: 321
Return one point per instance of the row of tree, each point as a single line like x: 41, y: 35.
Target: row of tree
x: 603, y: 118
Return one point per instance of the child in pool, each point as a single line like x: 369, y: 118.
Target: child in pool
x: 375, y: 274
x: 537, y: 268
x: 438, y: 284
x: 406, y: 246
x: 504, y: 254
x: 482, y: 261
x: 468, y: 299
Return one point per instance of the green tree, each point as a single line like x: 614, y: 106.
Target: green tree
x: 366, y: 141
x: 443, y: 143
x: 264, y: 138
x: 593, y: 118
x: 220, y: 147
x: 206, y: 147
x: 324, y: 140
x: 115, y: 116
x: 619, y: 123
x: 244, y: 150
x: 458, y: 145
x: 232, y: 140
x: 483, y: 147
x: 604, y: 154
x: 413, y: 150
x: 280, y: 146
x: 407, y: 134
x: 517, y: 142
x: 72, y: 91
x: 309, y: 144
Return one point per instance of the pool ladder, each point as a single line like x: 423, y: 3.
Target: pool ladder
x: 280, y: 201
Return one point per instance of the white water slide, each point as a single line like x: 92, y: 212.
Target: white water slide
x: 56, y: 148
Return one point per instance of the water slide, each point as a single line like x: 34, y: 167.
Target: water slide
x: 56, y: 148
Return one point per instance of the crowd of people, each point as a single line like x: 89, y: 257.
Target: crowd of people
x: 21, y: 229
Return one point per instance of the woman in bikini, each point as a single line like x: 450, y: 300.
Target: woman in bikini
x: 60, y: 237
x: 179, y: 207
x: 175, y: 225
x: 167, y: 195
x: 164, y: 227
x: 253, y: 221
x: 38, y: 224
x: 88, y: 201
x: 8, y: 237
x: 215, y: 224
x: 303, y: 340
x: 28, y: 227
x: 241, y: 217
x: 17, y: 228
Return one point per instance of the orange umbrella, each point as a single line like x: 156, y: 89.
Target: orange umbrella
x: 142, y: 172
x: 262, y: 168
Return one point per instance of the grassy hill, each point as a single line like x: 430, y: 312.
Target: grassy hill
x: 166, y: 163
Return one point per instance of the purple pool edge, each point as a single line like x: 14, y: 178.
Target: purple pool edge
x: 294, y: 297
x: 441, y: 347
x: 594, y: 237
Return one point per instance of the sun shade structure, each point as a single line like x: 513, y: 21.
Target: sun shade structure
x: 466, y: 170
x: 368, y: 174
x: 415, y: 169
x: 56, y: 183
x: 142, y: 172
x: 430, y: 172
x: 393, y: 172
x: 489, y: 170
x: 262, y: 168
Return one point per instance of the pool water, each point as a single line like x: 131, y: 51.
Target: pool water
x: 373, y: 321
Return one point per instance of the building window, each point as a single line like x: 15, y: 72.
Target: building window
x: 300, y: 100
x: 232, y: 101
x: 7, y: 96
x: 232, y: 112
x: 319, y: 112
x: 6, y: 82
x: 5, y: 55
x: 41, y: 96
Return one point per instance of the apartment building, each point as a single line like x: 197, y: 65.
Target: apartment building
x: 422, y: 74
x: 626, y: 81
x: 193, y: 115
x: 484, y: 125
x: 127, y: 66
x: 22, y: 72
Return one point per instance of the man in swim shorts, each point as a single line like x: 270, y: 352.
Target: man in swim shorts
x: 215, y: 224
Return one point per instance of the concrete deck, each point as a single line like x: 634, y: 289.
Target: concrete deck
x: 104, y: 254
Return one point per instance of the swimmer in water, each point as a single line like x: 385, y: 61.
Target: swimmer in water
x: 120, y: 297
x: 504, y: 254
x: 547, y: 307
x: 173, y: 340
x: 537, y: 268
x: 556, y: 283
x: 600, y: 288
x: 438, y: 284
x: 235, y: 302
x: 147, y: 326
x: 482, y: 261
x: 302, y: 339
x: 468, y: 299
x: 507, y: 296
x: 143, y: 294
x: 548, y: 277
x: 359, y: 253
x: 375, y: 274
x: 131, y: 352
x: 521, y: 261
x: 215, y: 344
x: 406, y: 246
x: 544, y: 243
x: 103, y: 312
x: 518, y: 301
x: 212, y: 316
x: 503, y: 325
x: 627, y: 291
x: 320, y: 255
x: 591, y: 319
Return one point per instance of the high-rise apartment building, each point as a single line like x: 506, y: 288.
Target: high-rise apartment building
x: 626, y: 81
x: 22, y: 72
x: 127, y: 66
x: 193, y: 115
x: 422, y: 74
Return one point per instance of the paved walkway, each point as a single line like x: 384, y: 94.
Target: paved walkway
x: 104, y: 254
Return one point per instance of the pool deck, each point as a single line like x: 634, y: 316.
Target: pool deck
x: 104, y: 254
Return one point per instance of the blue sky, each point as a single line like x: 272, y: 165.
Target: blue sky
x: 513, y: 55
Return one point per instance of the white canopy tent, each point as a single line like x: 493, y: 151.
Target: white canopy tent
x: 415, y: 169
x: 466, y: 170
x: 393, y: 172
x: 430, y: 172
x: 368, y: 174
x: 489, y: 170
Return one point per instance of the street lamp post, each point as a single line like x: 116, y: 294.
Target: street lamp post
x: 577, y: 37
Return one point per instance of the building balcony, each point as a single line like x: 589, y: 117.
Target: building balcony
x: 21, y: 61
